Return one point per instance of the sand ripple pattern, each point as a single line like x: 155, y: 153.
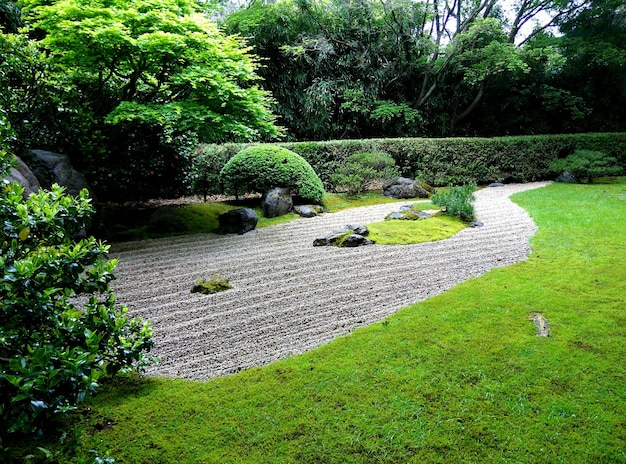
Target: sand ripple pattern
x: 289, y: 296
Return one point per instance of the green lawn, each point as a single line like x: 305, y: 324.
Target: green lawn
x: 459, y: 378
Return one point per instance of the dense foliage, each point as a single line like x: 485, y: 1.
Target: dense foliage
x: 588, y: 165
x: 363, y: 68
x: 127, y: 88
x: 361, y: 170
x: 60, y: 328
x: 456, y: 201
x: 441, y: 162
x: 260, y: 168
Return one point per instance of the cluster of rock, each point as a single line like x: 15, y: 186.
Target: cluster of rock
x: 406, y: 188
x: 275, y: 202
x: 41, y: 169
x: 408, y: 213
x: 352, y: 235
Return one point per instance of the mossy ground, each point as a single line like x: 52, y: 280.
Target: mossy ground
x: 461, y: 377
x: 406, y: 232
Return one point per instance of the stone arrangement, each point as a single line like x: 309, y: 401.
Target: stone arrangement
x: 352, y: 235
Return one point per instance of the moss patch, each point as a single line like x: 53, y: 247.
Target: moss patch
x: 438, y: 227
x: 214, y: 284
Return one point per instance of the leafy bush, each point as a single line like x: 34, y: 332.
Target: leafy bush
x: 60, y: 328
x: 457, y: 201
x: 588, y: 164
x: 260, y: 168
x: 361, y: 170
x: 458, y: 161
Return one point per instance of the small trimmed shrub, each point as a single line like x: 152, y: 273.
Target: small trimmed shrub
x: 260, y: 168
x: 362, y: 170
x: 457, y: 201
x: 588, y: 164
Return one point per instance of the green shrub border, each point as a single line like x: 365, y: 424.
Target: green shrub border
x: 451, y: 161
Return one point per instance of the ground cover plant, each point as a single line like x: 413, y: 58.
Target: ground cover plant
x: 461, y: 377
x: 407, y: 232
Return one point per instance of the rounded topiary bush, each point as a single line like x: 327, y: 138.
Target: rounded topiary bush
x: 260, y: 168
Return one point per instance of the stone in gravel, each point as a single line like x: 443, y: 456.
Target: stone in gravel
x: 496, y: 184
x: 567, y: 178
x: 404, y: 188
x: 352, y: 235
x: 277, y: 202
x: 214, y: 284
x: 306, y: 211
x: 476, y: 224
x: 237, y: 221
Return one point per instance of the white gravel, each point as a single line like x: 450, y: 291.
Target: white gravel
x: 289, y: 296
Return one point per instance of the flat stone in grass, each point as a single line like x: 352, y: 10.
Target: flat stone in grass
x: 308, y: 211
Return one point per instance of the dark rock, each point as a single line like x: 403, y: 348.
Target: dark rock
x: 496, y: 184
x: 277, y: 202
x: 359, y: 229
x: 346, y: 237
x: 404, y: 188
x: 476, y: 224
x: 237, y: 221
x: 306, y: 211
x: 22, y: 174
x: 567, y: 178
x: 55, y: 168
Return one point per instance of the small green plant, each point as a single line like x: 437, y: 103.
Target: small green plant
x: 588, y: 164
x: 259, y: 168
x: 214, y: 284
x: 457, y: 201
x: 362, y: 170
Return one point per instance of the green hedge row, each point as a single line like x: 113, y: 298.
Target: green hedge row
x: 439, y: 162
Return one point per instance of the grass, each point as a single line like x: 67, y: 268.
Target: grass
x: 404, y: 232
x: 461, y: 377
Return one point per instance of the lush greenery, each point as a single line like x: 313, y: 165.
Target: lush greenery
x: 588, y: 165
x: 456, y: 201
x: 394, y: 68
x: 441, y: 162
x: 460, y: 377
x: 127, y: 89
x: 260, y: 168
x: 362, y: 170
x: 407, y: 232
x: 60, y: 328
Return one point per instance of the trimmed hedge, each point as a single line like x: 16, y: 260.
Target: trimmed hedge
x: 452, y: 161
x: 260, y: 168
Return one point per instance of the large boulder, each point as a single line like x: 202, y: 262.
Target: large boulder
x: 237, y: 221
x: 405, y: 188
x: 54, y: 168
x: 22, y: 174
x: 277, y: 202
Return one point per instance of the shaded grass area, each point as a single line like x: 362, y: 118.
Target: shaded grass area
x: 461, y: 377
x: 405, y: 232
x: 201, y: 218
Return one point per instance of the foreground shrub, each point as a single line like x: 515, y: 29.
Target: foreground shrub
x: 588, y: 164
x: 260, y: 168
x: 362, y: 170
x: 60, y: 328
x: 457, y: 201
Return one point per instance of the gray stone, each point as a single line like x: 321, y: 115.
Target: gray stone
x: 496, y: 184
x: 408, y: 215
x: 346, y: 237
x: 55, y: 168
x: 306, y: 211
x: 476, y: 224
x: 567, y: 178
x: 404, y: 188
x: 22, y: 174
x: 277, y: 202
x: 237, y: 221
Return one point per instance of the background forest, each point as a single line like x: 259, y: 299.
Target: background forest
x: 129, y: 88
